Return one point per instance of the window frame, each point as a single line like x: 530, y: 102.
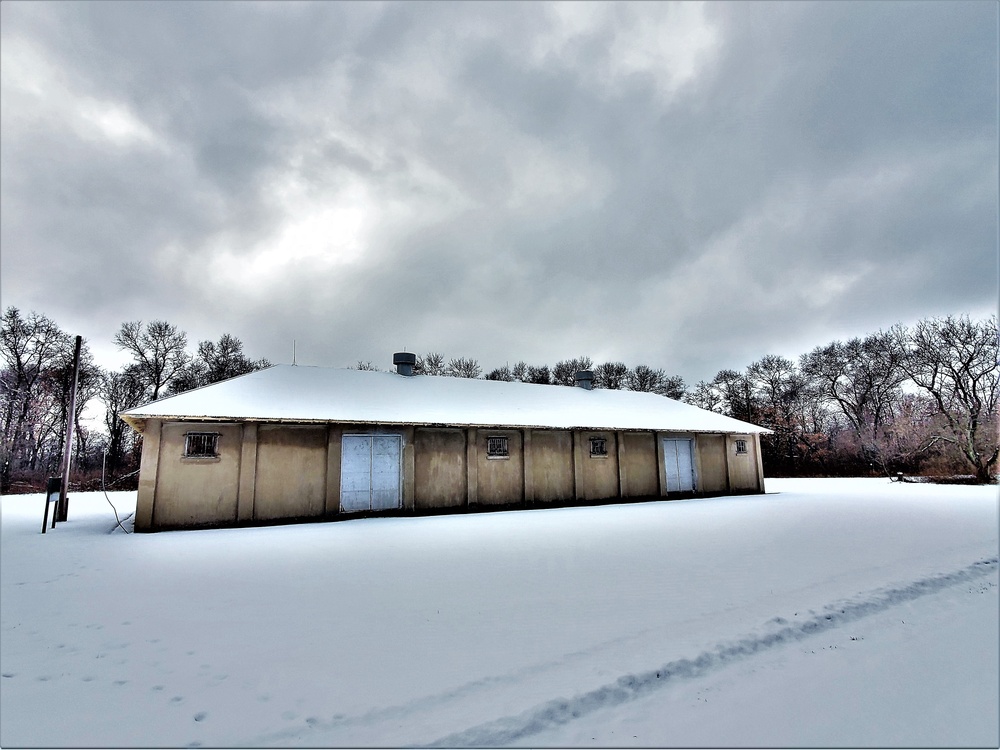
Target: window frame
x: 210, y: 443
x: 740, y: 444
x: 493, y: 449
x: 594, y: 441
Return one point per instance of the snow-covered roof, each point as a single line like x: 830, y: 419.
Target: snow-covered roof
x: 294, y: 393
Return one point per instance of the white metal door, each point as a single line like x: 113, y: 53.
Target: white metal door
x: 678, y: 457
x: 356, y: 473
x: 370, y: 472
x: 385, y: 472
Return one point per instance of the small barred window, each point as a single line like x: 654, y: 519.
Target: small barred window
x: 598, y: 446
x: 496, y: 447
x: 201, y: 445
x: 741, y: 446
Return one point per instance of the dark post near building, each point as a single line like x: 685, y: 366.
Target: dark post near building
x: 63, y: 506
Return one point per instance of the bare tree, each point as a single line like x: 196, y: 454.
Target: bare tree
x: 705, y: 396
x: 863, y: 378
x: 31, y: 347
x: 87, y: 387
x: 954, y: 359
x: 216, y: 362
x: 225, y: 359
x: 735, y: 392
x: 910, y: 439
x: 539, y: 375
x: 611, y: 375
x: 365, y: 365
x: 565, y: 371
x: 645, y: 378
x: 431, y: 363
x: 777, y: 391
x: 464, y: 368
x: 159, y: 351
x: 120, y: 391
x: 673, y: 387
x: 501, y: 373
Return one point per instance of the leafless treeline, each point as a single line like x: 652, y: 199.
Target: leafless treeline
x: 36, y: 360
x: 912, y: 400
x: 614, y: 375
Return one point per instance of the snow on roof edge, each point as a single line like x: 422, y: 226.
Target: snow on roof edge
x: 305, y: 394
x: 132, y: 421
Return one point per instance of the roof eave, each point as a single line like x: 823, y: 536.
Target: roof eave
x: 138, y: 423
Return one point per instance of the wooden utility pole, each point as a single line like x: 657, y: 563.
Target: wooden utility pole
x: 63, y: 505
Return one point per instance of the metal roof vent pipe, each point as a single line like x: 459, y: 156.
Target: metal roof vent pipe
x: 404, y: 362
x: 585, y: 379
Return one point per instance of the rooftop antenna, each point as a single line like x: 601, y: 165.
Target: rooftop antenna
x: 293, y: 352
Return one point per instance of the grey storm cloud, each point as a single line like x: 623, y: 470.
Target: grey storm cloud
x: 687, y: 185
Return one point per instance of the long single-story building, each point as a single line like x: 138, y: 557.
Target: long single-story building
x: 294, y: 443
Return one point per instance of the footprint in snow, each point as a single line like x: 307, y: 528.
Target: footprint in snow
x: 200, y: 716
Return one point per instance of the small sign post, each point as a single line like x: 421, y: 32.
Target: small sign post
x: 52, y: 491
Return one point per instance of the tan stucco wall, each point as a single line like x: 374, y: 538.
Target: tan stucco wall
x: 291, y: 472
x: 712, y: 459
x: 440, y: 475
x: 269, y: 472
x: 598, y: 475
x: 744, y: 473
x: 203, y: 490
x: 334, y: 443
x: 640, y: 459
x: 500, y: 481
x: 148, y: 464
x: 551, y: 474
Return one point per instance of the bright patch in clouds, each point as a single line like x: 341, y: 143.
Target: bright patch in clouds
x: 315, y: 237
x: 670, y: 42
x: 333, y: 227
x: 40, y: 91
x: 673, y: 48
x: 116, y: 123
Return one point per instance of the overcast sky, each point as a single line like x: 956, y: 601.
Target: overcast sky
x: 691, y: 186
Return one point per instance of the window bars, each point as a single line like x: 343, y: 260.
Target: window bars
x: 201, y: 445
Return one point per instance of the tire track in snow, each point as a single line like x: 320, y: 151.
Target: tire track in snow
x: 510, y: 729
x: 383, y: 714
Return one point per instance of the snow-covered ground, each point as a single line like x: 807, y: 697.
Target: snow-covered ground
x: 828, y: 612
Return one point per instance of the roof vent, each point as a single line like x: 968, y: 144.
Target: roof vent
x: 404, y: 362
x: 585, y: 379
